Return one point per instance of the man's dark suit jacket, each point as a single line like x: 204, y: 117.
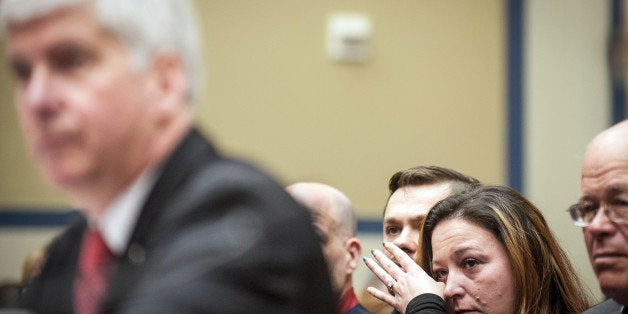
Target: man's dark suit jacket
x: 607, y: 307
x: 214, y: 236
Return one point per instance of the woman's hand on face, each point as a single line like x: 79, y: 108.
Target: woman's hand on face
x: 404, y: 282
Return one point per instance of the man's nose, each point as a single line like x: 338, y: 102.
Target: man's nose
x: 407, y: 240
x: 601, y: 224
x: 39, y: 92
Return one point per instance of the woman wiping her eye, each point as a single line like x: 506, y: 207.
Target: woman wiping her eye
x: 486, y: 250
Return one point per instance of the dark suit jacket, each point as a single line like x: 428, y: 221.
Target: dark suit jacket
x: 607, y: 307
x: 214, y: 236
x: 358, y: 309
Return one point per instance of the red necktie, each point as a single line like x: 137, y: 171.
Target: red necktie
x: 94, y: 266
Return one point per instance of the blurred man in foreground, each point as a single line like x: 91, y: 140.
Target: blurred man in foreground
x: 103, y: 92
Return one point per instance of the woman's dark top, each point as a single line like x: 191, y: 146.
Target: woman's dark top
x: 426, y: 303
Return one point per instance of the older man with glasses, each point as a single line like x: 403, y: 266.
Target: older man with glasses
x: 602, y: 212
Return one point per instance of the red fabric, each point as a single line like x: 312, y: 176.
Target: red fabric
x: 90, y: 284
x: 348, y: 301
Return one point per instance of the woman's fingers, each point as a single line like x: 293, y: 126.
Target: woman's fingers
x: 404, y: 260
x: 406, y: 281
x: 381, y: 295
x: 381, y: 274
x: 387, y: 264
x: 390, y: 297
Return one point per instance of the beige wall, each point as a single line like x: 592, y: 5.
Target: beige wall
x: 433, y: 93
x: 567, y: 103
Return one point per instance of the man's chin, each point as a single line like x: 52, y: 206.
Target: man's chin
x: 66, y: 179
x: 614, y: 286
x: 61, y: 179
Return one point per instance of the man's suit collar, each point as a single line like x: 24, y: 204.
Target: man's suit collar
x: 193, y: 151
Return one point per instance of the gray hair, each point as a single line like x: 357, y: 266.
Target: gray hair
x: 144, y: 27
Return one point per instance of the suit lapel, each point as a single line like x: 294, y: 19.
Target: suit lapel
x: 191, y: 153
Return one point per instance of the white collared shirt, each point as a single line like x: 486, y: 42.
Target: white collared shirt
x: 120, y: 217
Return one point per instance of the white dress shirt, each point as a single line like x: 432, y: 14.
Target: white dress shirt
x: 120, y: 217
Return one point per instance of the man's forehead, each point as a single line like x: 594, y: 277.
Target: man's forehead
x: 413, y: 202
x: 67, y: 25
x: 40, y: 15
x: 422, y: 194
x: 398, y: 217
x: 612, y: 188
x: 604, y: 185
x: 608, y: 147
x: 604, y: 169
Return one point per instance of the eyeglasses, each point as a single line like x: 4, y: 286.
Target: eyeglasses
x: 583, y: 213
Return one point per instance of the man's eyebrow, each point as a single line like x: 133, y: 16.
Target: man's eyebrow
x: 391, y: 220
x: 413, y: 218
x: 617, y: 189
x: 609, y: 191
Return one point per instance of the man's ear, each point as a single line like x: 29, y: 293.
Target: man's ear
x: 170, y: 83
x: 354, y: 254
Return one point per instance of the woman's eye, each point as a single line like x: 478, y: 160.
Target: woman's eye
x: 470, y: 263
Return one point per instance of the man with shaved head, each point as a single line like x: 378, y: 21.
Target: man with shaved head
x: 604, y: 185
x: 335, y: 222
